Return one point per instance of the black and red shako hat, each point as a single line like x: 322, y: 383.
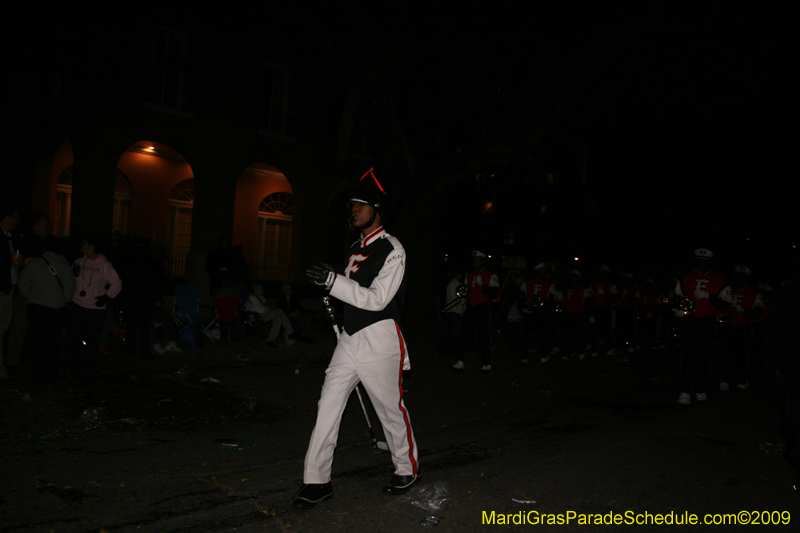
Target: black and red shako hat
x: 369, y: 190
x: 382, y: 184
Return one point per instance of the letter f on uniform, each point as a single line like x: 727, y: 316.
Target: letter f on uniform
x: 352, y: 266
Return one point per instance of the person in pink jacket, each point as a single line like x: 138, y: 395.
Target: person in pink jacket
x: 96, y: 283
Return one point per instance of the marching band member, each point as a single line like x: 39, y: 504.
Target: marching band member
x: 575, y: 298
x: 605, y: 296
x: 483, y: 287
x: 371, y: 349
x: 746, y: 305
x: 705, y: 291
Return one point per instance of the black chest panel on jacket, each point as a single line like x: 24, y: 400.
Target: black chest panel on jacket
x: 362, y: 266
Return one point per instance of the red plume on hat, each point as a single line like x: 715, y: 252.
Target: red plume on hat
x: 382, y: 185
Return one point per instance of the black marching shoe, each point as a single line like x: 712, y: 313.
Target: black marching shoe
x: 400, y: 484
x: 311, y: 494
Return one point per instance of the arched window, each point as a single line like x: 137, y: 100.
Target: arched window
x: 63, y: 203
x: 274, y: 236
x: 181, y: 201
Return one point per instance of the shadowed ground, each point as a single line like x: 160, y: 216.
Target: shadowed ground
x: 153, y: 447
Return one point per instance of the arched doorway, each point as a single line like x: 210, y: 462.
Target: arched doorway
x: 63, y: 210
x: 263, y: 223
x: 273, y: 247
x: 159, y: 199
x: 181, y: 201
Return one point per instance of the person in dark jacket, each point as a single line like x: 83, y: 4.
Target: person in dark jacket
x: 9, y: 275
x: 47, y: 284
x: 782, y: 360
x: 219, y: 263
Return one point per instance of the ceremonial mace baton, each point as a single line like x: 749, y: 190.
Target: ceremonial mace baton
x: 381, y: 445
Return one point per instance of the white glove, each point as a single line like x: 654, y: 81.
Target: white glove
x: 701, y: 295
x: 679, y: 312
x: 601, y: 290
x: 477, y: 280
x: 591, y: 320
x: 739, y: 308
x: 649, y: 315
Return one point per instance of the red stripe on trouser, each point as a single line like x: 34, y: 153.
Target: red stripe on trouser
x: 400, y: 403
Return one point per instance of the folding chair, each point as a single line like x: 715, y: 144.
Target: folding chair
x: 186, y: 311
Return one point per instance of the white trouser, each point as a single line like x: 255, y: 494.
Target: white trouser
x: 375, y: 356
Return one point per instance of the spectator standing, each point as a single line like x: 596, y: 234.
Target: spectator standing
x: 30, y: 243
x: 228, y: 304
x: 48, y: 285
x: 9, y: 277
x: 96, y: 283
x: 219, y: 262
x: 783, y: 369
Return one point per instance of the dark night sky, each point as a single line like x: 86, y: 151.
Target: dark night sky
x: 685, y: 119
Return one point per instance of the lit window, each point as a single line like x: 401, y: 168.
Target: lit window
x: 278, y: 203
x: 273, y: 248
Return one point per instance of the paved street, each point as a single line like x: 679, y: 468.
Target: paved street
x: 170, y: 452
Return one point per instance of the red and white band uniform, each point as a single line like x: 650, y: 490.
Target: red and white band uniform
x: 605, y: 296
x: 605, y: 293
x: 700, y: 287
x: 476, y: 281
x: 744, y: 301
x: 483, y: 287
x: 746, y: 304
x: 372, y: 349
x: 537, y: 320
x: 575, y: 299
x: 709, y: 291
x: 539, y: 287
x: 648, y: 307
x: 626, y: 315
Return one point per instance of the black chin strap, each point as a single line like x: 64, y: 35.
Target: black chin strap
x: 356, y: 230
